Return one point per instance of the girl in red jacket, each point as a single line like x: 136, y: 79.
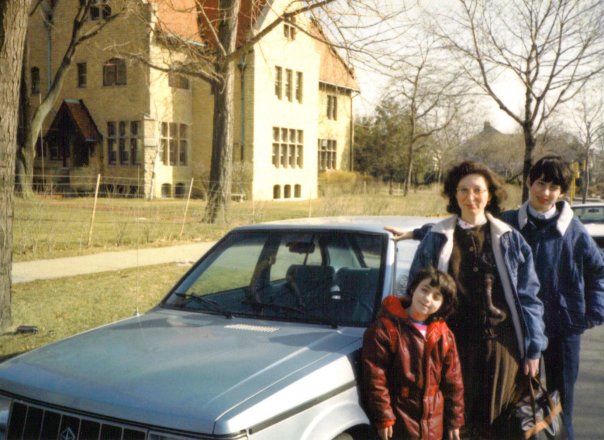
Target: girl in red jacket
x: 413, y: 386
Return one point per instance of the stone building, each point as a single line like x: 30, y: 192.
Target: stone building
x: 148, y: 131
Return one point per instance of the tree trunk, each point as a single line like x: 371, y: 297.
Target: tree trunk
x: 13, y: 26
x: 529, y: 146
x: 409, y: 167
x: 24, y: 132
x: 585, y: 177
x: 222, y: 133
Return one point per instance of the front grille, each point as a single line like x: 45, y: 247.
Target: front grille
x: 32, y: 422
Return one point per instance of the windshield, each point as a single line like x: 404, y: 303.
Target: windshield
x: 331, y: 277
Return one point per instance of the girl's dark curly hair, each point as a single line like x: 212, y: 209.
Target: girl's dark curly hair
x: 444, y: 283
x: 494, y: 185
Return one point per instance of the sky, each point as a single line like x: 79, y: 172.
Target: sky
x: 373, y: 84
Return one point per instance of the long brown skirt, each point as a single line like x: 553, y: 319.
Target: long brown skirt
x: 490, y: 371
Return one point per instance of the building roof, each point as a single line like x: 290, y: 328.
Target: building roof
x: 179, y: 17
x: 333, y: 70
x: 76, y: 112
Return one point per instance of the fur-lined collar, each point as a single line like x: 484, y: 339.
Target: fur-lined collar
x: 563, y: 222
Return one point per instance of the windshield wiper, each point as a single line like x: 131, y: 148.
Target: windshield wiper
x: 213, y: 305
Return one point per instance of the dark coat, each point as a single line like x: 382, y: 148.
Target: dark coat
x: 415, y: 384
x: 570, y: 268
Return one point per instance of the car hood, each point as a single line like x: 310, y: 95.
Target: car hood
x: 186, y: 371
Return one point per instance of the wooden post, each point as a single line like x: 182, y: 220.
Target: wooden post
x: 184, y: 217
x: 96, y: 196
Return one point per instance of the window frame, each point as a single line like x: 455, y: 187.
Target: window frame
x: 115, y: 72
x: 82, y: 75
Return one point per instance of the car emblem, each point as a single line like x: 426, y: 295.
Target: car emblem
x: 67, y: 434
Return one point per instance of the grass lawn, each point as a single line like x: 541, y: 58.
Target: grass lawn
x: 66, y: 306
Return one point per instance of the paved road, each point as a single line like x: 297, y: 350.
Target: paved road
x: 106, y: 261
x: 589, y: 405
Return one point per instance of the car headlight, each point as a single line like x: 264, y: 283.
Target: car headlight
x: 4, y: 409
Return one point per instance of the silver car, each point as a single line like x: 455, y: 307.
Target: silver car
x: 592, y: 216
x: 259, y: 340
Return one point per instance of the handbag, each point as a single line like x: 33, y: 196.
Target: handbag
x: 536, y: 416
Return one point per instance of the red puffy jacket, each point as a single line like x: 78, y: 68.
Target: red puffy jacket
x: 414, y: 384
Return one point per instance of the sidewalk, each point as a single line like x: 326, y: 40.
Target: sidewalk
x: 106, y: 261
x: 589, y: 393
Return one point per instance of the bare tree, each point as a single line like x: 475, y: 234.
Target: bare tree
x: 13, y: 27
x: 82, y: 30
x: 550, y: 48
x: 589, y: 122
x: 431, y: 94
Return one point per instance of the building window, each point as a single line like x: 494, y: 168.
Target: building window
x: 287, y: 192
x: 287, y: 147
x: 289, y: 30
x: 111, y: 143
x: 166, y: 190
x: 100, y: 9
x: 35, y: 81
x: 332, y: 107
x: 297, y: 191
x: 114, y: 72
x: 288, y: 84
x: 136, y: 150
x: 299, y: 86
x: 123, y: 150
x: 179, y: 190
x: 184, y: 145
x: 82, y: 75
x: 327, y: 154
x: 123, y: 143
x: 277, y: 192
x: 174, y: 143
x: 278, y: 81
x: 178, y: 81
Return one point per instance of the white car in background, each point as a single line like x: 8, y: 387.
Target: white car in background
x: 259, y: 340
x: 592, y: 216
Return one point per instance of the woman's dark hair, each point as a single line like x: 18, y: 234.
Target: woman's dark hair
x: 494, y: 185
x: 552, y: 169
x: 446, y: 286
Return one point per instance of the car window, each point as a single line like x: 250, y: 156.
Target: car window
x: 314, y: 276
x: 405, y: 251
x: 590, y: 214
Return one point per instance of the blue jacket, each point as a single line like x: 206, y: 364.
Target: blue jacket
x: 570, y: 267
x: 516, y: 271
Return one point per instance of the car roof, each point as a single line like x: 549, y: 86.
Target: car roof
x: 588, y: 205
x: 373, y: 224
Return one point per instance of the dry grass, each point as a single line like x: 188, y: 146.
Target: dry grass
x: 54, y: 227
